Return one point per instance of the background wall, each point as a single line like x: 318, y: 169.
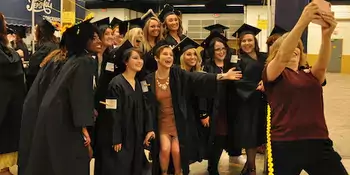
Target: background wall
x: 253, y: 14
x: 121, y: 13
x: 342, y: 14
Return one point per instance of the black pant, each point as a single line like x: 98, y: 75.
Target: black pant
x: 215, y: 154
x: 316, y: 157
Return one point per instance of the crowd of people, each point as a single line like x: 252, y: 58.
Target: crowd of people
x: 111, y: 89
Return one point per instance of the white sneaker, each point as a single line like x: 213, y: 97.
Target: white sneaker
x: 238, y: 159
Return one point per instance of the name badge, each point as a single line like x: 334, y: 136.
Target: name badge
x: 144, y: 86
x: 111, y: 103
x: 234, y: 59
x: 110, y: 67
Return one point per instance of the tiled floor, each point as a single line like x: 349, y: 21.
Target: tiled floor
x: 337, y: 110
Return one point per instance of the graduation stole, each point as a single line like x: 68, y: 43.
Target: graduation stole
x: 268, y: 145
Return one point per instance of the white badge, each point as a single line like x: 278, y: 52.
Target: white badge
x: 111, y: 103
x: 110, y: 67
x: 94, y: 82
x: 234, y: 59
x: 144, y: 86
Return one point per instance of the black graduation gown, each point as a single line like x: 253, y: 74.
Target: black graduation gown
x: 35, y: 60
x: 172, y: 42
x: 22, y: 46
x: 181, y: 83
x: 12, y: 93
x: 150, y: 64
x: 129, y: 125
x: 67, y: 106
x: 250, y: 121
x: 217, y: 108
x: 31, y: 108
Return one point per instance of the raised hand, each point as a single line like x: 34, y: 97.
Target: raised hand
x: 310, y: 12
x: 329, y: 19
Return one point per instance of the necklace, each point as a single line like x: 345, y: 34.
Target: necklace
x: 163, y: 86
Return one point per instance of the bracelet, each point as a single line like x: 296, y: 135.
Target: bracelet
x: 221, y: 76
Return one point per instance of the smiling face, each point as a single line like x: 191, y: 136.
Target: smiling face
x: 153, y: 28
x: 134, y: 62
x: 165, y: 58
x: 94, y: 45
x: 248, y: 43
x: 220, y: 51
x: 172, y: 22
x: 190, y: 57
x: 108, y: 38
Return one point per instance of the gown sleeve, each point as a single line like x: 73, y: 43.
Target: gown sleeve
x: 81, y: 95
x: 114, y: 106
x: 148, y: 118
x: 203, y: 84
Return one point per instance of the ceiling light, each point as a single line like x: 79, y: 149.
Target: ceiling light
x: 234, y: 5
x: 191, y: 5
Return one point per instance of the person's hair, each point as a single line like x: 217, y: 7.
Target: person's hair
x: 179, y: 31
x: 3, y: 31
x: 132, y: 35
x: 102, y: 30
x: 76, y: 44
x: 115, y: 28
x: 147, y: 46
x: 58, y: 55
x: 160, y: 50
x: 126, y: 56
x: 240, y: 39
x: 276, y: 46
x: 198, y: 66
x: 211, y: 48
x: 271, y: 39
x: 44, y: 32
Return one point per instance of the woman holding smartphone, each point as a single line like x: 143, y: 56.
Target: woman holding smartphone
x: 299, y: 134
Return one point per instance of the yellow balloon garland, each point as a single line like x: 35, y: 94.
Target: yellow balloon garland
x: 268, y: 145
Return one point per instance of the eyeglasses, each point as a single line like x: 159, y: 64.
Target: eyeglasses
x: 220, y: 49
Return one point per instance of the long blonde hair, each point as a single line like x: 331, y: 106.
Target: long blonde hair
x: 198, y: 66
x: 276, y: 46
x: 147, y: 46
x: 132, y: 35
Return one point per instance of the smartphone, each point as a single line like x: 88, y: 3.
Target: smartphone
x: 325, y: 7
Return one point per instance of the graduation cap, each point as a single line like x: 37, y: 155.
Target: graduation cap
x: 159, y: 44
x: 149, y: 14
x: 216, y: 27
x: 168, y: 10
x: 125, y: 26
x: 184, y: 45
x: 75, y: 37
x: 120, y: 56
x: 246, y: 29
x: 102, y: 23
x: 48, y: 24
x: 115, y: 22
x: 278, y: 30
x: 213, y: 35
